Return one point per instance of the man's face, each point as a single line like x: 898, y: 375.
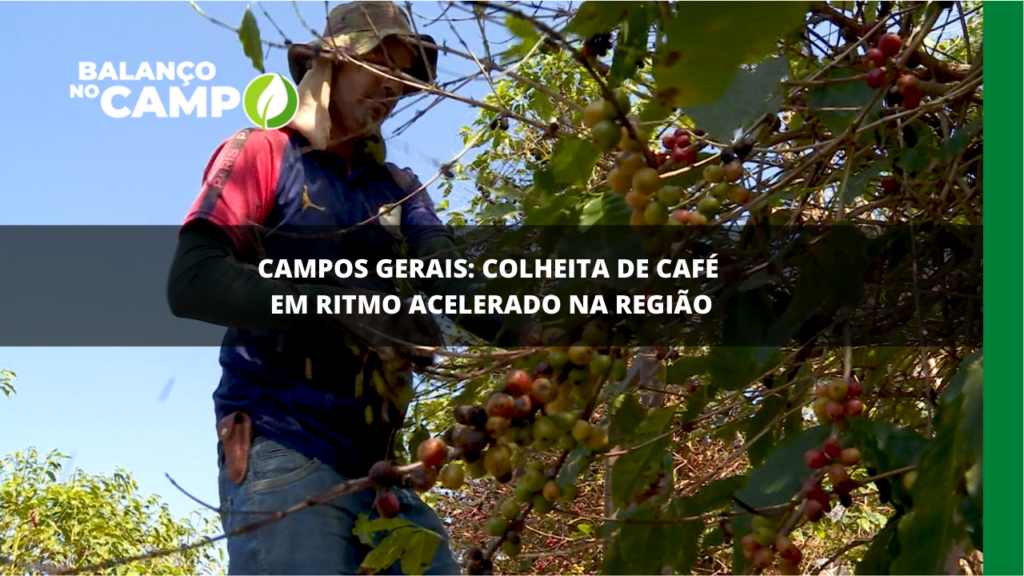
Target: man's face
x: 362, y: 99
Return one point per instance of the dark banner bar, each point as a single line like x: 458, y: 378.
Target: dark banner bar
x: 752, y: 285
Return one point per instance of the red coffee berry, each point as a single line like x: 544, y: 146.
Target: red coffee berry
x: 812, y: 510
x: 875, y: 78
x: 832, y: 448
x: 837, y: 474
x: 500, y: 405
x: 678, y: 155
x: 906, y: 82
x: 874, y: 57
x: 690, y: 155
x: 518, y: 382
x: 911, y: 99
x: 890, y: 45
x: 834, y: 410
x: 387, y: 505
x: 669, y: 141
x: 432, y: 452
x: 854, y: 388
x: 853, y: 407
x: 815, y: 458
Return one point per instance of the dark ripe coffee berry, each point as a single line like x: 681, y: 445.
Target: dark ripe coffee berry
x: 815, y: 458
x: 387, y: 504
x: 889, y: 186
x: 793, y: 555
x: 432, y: 452
x: 382, y: 474
x: 727, y: 157
x: 680, y: 132
x: 845, y: 500
x: 787, y: 568
x: 542, y: 370
x: 518, y: 383
x: 743, y: 149
x: 875, y: 78
x: 854, y: 388
x: 689, y: 155
x: 911, y: 99
x: 832, y: 448
x: 812, y: 510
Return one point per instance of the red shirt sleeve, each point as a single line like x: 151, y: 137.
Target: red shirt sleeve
x: 239, y: 183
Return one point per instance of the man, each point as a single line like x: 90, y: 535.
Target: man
x: 296, y: 410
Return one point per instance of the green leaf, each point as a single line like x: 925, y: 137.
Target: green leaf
x: 647, y: 548
x: 632, y: 471
x: 419, y: 553
x: 685, y: 368
x: 858, y: 183
x: 497, y: 211
x: 521, y: 28
x: 921, y: 155
x: 884, y: 547
x: 249, y: 34
x: 575, y: 463
x: 629, y: 415
x: 607, y: 209
x: 598, y: 17
x: 572, y: 161
x: 957, y: 143
x: 630, y: 47
x: 887, y: 447
x: 936, y: 523
x: 751, y: 94
x: 771, y: 407
x: 366, y: 528
x: 717, y: 493
x: 705, y: 42
x: 733, y: 367
x: 842, y: 95
x: 388, y: 551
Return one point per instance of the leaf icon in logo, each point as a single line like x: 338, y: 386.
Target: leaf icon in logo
x: 273, y: 101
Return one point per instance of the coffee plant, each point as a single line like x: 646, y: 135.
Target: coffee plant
x: 830, y: 155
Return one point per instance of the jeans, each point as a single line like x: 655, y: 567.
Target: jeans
x: 316, y: 540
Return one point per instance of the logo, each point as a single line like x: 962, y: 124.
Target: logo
x: 271, y: 101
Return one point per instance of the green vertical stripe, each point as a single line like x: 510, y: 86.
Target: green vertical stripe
x: 1004, y: 212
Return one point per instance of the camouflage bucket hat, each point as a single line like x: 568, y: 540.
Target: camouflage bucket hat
x: 356, y: 28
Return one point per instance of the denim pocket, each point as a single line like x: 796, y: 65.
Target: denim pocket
x: 274, y: 466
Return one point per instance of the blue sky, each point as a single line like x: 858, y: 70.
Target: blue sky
x: 69, y: 163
